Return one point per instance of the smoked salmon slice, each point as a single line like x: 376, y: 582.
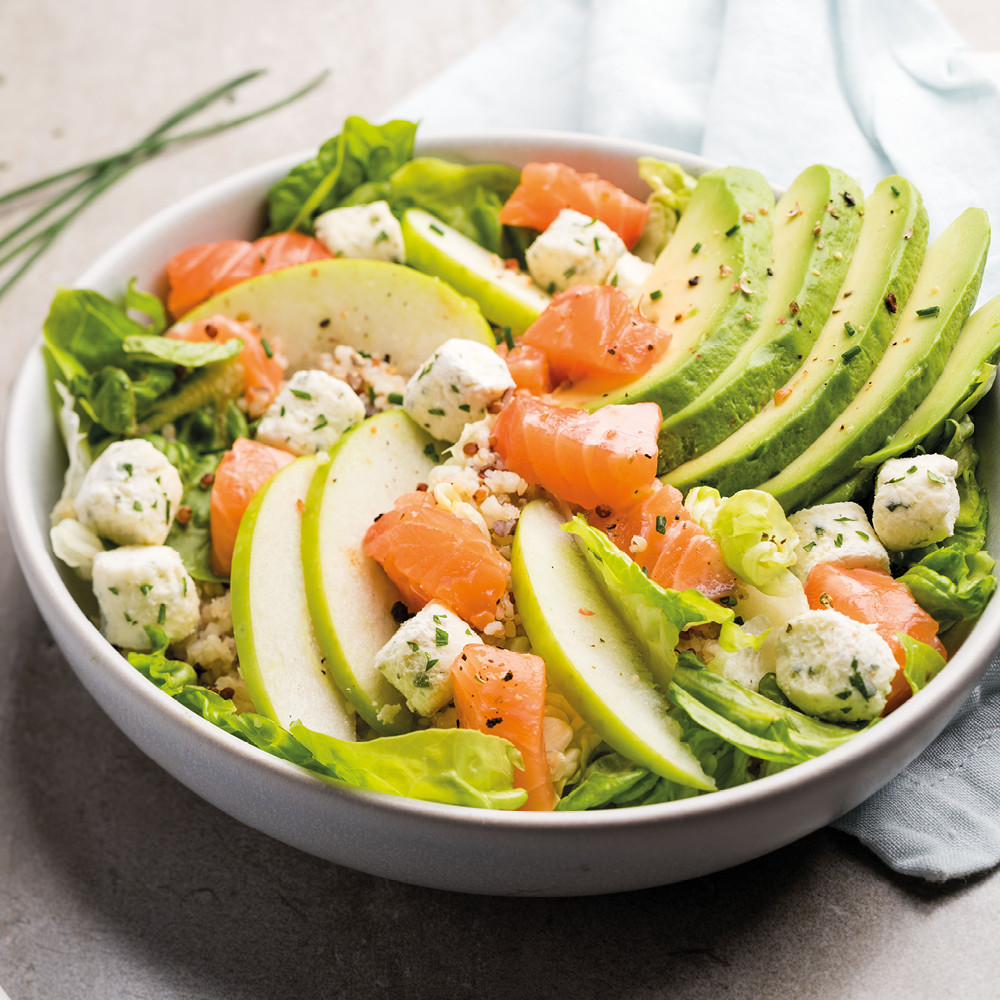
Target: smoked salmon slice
x: 199, y: 272
x: 873, y: 597
x: 528, y: 367
x: 547, y: 188
x: 594, y: 331
x: 430, y: 553
x: 604, y: 457
x: 243, y: 470
x: 503, y: 693
x: 661, y: 536
x: 263, y: 369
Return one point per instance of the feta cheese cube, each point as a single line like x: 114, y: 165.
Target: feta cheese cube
x: 140, y: 585
x: 455, y: 386
x: 575, y: 249
x: 630, y: 274
x: 833, y: 667
x: 310, y: 413
x: 417, y: 659
x: 130, y: 494
x: 836, y: 533
x: 916, y: 501
x: 369, y: 231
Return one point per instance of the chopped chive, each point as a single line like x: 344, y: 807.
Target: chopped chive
x: 895, y: 190
x: 929, y: 311
x: 661, y: 524
x: 162, y: 616
x: 268, y: 349
x: 657, y: 293
x: 436, y: 411
x: 396, y: 398
x: 733, y: 230
x: 508, y: 337
x: 301, y: 393
x: 440, y: 637
x: 849, y: 329
x: 696, y: 248
x: 935, y: 478
x: 436, y: 229
x: 851, y: 352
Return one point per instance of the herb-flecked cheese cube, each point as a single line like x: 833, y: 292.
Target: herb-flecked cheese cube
x: 417, y: 659
x: 836, y: 533
x: 140, y: 585
x: 833, y: 667
x: 575, y: 249
x: 370, y: 232
x: 455, y: 386
x: 310, y: 413
x: 130, y: 494
x: 916, y: 501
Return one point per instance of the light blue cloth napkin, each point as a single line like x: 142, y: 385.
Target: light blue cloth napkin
x: 871, y: 86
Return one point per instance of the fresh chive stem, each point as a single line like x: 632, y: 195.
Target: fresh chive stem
x: 99, y: 175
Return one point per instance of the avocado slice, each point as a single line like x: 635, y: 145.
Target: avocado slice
x: 886, y: 261
x: 816, y: 227
x: 589, y: 652
x: 509, y: 298
x: 724, y: 236
x: 967, y: 376
x: 929, y: 324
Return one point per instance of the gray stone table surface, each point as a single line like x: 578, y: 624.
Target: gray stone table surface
x: 115, y: 881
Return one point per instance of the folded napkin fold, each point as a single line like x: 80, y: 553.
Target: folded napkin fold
x: 871, y: 86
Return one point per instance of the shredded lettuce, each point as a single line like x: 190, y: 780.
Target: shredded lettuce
x: 672, y: 187
x: 454, y: 766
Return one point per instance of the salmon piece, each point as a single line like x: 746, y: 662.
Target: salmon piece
x: 264, y: 371
x: 528, y: 367
x: 244, y: 469
x: 547, y: 188
x: 873, y: 597
x: 430, y: 553
x: 678, y: 553
x: 199, y: 272
x: 604, y: 457
x: 503, y: 693
x: 594, y: 331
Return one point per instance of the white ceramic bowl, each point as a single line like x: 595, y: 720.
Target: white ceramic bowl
x: 426, y: 844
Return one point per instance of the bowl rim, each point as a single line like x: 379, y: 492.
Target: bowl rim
x: 61, y: 611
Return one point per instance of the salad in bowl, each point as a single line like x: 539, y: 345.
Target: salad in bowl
x: 520, y: 484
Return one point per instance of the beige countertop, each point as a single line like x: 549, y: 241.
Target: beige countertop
x: 116, y: 881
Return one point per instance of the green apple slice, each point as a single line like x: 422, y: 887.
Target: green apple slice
x: 507, y: 297
x: 386, y: 310
x: 589, y: 652
x: 350, y: 598
x: 280, y: 657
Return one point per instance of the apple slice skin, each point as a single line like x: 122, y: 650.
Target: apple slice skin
x: 380, y: 308
x: 588, y: 650
x: 350, y: 597
x: 280, y: 658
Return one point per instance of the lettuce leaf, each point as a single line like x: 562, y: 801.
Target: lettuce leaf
x: 453, y: 766
x: 749, y: 720
x: 923, y: 663
x: 657, y: 616
x: 360, y: 154
x: 672, y: 188
x: 952, y: 585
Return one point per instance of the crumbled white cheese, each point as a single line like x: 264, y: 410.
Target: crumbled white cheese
x: 916, y: 501
x: 130, y: 494
x: 370, y: 232
x: 417, y: 659
x: 836, y: 533
x: 630, y: 274
x: 833, y: 667
x: 140, y: 585
x: 575, y: 249
x: 310, y: 413
x: 454, y: 387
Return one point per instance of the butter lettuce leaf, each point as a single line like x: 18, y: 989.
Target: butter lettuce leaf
x: 923, y: 663
x: 952, y: 585
x: 671, y: 191
x: 453, y: 766
x: 657, y: 616
x: 362, y: 153
x: 749, y: 720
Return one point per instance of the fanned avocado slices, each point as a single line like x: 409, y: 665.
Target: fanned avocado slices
x: 884, y: 267
x: 723, y: 237
x: 929, y: 324
x: 816, y: 227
